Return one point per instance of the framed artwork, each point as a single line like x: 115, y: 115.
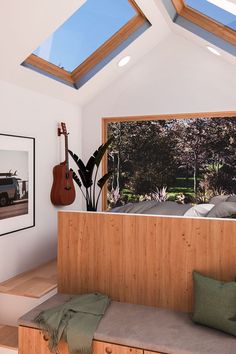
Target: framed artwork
x: 17, y: 183
x: 178, y: 165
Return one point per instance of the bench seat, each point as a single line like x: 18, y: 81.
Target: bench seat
x: 149, y: 328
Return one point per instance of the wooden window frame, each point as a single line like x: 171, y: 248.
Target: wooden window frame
x: 105, y: 49
x: 205, y: 22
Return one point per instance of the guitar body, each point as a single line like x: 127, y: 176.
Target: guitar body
x: 63, y: 190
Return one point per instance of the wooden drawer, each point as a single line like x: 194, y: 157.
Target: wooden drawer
x: 147, y: 352
x: 107, y: 348
x: 32, y: 341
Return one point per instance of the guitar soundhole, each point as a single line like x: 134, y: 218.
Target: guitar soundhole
x: 67, y: 188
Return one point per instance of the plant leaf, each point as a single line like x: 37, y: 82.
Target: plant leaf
x: 76, y: 179
x: 90, y: 167
x: 81, y: 166
x: 99, y: 153
x: 85, y: 172
x: 103, y: 180
x: 87, y: 182
x: 74, y: 157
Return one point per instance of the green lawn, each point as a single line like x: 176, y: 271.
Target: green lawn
x: 181, y: 185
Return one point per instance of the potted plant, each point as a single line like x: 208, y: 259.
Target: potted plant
x: 87, y: 176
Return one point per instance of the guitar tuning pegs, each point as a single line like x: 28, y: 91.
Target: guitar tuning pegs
x: 59, y: 132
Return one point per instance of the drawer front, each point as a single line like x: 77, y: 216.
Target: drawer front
x: 107, y: 348
x: 147, y: 352
x: 32, y: 341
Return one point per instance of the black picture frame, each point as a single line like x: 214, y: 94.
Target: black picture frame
x: 17, y: 183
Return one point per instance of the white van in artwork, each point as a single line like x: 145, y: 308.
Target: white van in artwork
x: 9, y: 190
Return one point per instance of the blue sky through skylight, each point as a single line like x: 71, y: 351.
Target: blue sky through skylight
x: 85, y: 31
x: 213, y: 11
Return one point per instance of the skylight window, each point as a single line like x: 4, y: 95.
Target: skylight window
x: 226, y: 5
x: 217, y: 17
x: 222, y: 11
x: 91, y: 37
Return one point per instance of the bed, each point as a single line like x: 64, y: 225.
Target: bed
x: 222, y: 206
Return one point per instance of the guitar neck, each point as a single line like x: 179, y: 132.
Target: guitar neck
x: 66, y: 153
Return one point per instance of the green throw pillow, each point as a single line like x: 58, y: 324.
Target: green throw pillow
x: 214, y: 303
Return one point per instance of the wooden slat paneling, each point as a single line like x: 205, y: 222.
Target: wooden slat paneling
x: 34, y: 283
x: 8, y: 337
x: 142, y: 259
x: 107, y: 348
x: 31, y: 341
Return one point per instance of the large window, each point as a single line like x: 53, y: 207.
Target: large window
x: 181, y: 165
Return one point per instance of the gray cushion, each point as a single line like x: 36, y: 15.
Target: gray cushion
x: 218, y: 199
x: 153, y: 207
x: 135, y: 208
x: 200, y: 210
x: 168, y: 208
x: 232, y: 198
x: 223, y: 210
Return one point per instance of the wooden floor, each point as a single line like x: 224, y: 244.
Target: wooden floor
x: 8, y: 337
x: 34, y: 283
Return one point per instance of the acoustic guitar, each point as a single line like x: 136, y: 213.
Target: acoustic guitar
x: 63, y: 190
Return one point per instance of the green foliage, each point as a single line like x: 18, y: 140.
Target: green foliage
x: 177, y: 154
x: 87, y: 175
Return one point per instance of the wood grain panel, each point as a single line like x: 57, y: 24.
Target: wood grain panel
x: 34, y: 283
x: 8, y: 337
x: 107, y: 348
x: 142, y: 259
x: 31, y: 341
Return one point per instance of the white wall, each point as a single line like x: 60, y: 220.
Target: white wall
x: 23, y: 112
x: 177, y: 76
